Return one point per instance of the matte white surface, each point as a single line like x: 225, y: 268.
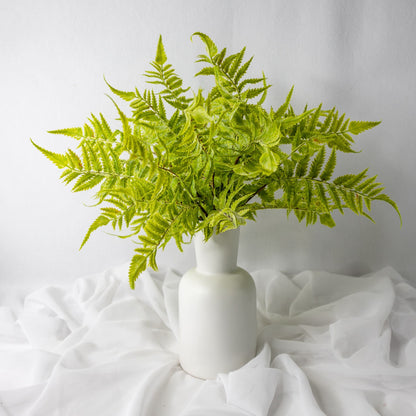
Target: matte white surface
x: 218, y: 254
x: 217, y: 310
x: 217, y: 322
x: 357, y: 55
x: 329, y: 345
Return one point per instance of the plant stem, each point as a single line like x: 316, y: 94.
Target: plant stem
x: 256, y: 192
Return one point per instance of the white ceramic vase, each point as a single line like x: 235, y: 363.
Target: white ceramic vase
x: 217, y: 309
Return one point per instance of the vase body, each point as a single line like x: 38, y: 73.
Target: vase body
x: 217, y: 309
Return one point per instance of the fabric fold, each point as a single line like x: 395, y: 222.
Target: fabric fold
x: 328, y: 344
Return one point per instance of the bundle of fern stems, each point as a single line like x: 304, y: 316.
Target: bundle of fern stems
x: 183, y: 162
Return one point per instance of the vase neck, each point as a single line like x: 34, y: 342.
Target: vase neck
x: 219, y: 253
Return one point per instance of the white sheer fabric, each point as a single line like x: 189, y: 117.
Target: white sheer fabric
x: 328, y: 345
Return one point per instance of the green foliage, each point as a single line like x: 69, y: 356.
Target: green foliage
x: 181, y: 163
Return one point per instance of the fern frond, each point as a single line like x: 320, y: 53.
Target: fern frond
x: 74, y: 132
x: 156, y: 231
x: 314, y: 119
x: 236, y: 63
x: 138, y: 265
x: 208, y: 70
x: 242, y: 71
x: 87, y: 181
x: 337, y: 126
x: 302, y: 166
x: 73, y: 160
x: 98, y: 222
x: 357, y: 127
x: 254, y: 92
x: 127, y: 96
x: 329, y: 167
x: 328, y: 119
x: 326, y: 219
x: 160, y: 52
x: 386, y: 198
x: 57, y: 159
x: 317, y: 163
x: 249, y: 81
x: 283, y: 108
x: 210, y: 45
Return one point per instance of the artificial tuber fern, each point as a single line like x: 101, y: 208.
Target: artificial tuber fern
x: 182, y: 162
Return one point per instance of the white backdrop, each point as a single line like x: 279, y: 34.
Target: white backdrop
x: 357, y: 55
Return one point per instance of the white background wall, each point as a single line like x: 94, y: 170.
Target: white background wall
x: 357, y: 55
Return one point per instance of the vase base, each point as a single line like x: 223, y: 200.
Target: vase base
x: 208, y: 373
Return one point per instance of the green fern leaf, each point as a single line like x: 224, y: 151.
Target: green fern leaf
x: 108, y: 134
x: 74, y: 160
x: 349, y: 180
x: 127, y: 96
x: 349, y: 197
x: 86, y: 158
x: 242, y: 71
x: 211, y: 47
x: 357, y: 127
x: 355, y: 179
x: 322, y: 196
x: 87, y: 181
x: 338, y: 124
x: 160, y: 52
x: 386, y: 198
x: 227, y: 62
x: 74, y: 132
x: 292, y: 120
x: 329, y: 167
x: 220, y: 56
x: 335, y: 196
x: 314, y: 119
x: 59, y: 160
x: 269, y: 161
x: 283, y: 108
x: 367, y: 185
x: 300, y: 215
x: 249, y: 81
x: 204, y: 58
x: 265, y: 88
x: 317, y: 163
x: 311, y: 217
x: 116, y: 164
x: 344, y: 127
x: 98, y: 222
x: 68, y: 175
x: 302, y: 166
x: 333, y: 122
x: 326, y: 219
x: 254, y: 92
x: 308, y: 189
x: 236, y: 63
x: 209, y: 70
x: 327, y: 122
x: 111, y: 212
x: 359, y: 203
x: 105, y: 161
x: 137, y: 266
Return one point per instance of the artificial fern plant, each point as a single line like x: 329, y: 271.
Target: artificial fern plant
x: 182, y: 162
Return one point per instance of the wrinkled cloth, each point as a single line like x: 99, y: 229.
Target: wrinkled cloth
x: 327, y: 345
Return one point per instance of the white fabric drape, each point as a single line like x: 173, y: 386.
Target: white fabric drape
x: 328, y: 345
